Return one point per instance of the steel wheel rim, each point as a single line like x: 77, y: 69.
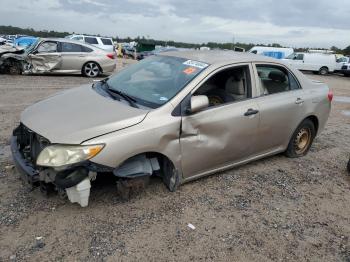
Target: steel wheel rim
x: 91, y: 69
x: 215, y: 100
x: 302, y: 140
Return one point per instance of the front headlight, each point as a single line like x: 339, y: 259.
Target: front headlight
x: 62, y: 155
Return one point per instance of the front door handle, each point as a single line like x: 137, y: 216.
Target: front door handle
x: 250, y: 112
x: 299, y: 101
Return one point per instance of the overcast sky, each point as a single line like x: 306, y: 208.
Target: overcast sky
x: 316, y: 23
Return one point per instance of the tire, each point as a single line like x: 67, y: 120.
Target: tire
x: 70, y: 178
x: 348, y: 166
x: 218, y: 97
x: 301, y: 140
x: 170, y: 176
x: 323, y: 70
x: 12, y: 67
x: 91, y: 69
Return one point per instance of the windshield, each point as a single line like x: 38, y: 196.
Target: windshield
x: 291, y: 56
x: 155, y: 80
x: 29, y: 48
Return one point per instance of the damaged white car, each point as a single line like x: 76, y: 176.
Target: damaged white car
x: 58, y: 56
x: 178, y: 115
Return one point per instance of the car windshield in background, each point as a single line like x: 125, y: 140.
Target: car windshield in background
x: 154, y: 81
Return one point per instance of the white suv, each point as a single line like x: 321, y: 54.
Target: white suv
x: 105, y: 43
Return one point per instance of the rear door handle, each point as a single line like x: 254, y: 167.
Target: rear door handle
x: 299, y: 101
x: 250, y: 112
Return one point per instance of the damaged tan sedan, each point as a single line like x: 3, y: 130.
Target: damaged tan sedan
x: 58, y: 56
x: 179, y: 115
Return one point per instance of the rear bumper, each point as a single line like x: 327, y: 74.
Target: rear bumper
x: 25, y: 168
x: 109, y: 67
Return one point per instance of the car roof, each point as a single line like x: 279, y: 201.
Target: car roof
x: 92, y: 36
x: 219, y: 56
x: 67, y: 40
x: 60, y: 39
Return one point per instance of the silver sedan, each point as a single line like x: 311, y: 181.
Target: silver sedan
x: 61, y: 56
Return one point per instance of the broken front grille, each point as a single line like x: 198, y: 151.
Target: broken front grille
x: 29, y: 143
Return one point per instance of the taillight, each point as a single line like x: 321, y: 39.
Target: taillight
x: 330, y: 95
x: 111, y: 56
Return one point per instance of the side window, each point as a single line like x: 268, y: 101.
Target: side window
x: 299, y: 57
x: 86, y: 49
x: 275, y: 79
x: 106, y: 41
x: 91, y: 40
x: 226, y: 86
x: 70, y: 47
x: 47, y: 47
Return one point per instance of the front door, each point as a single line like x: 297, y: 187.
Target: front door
x: 225, y: 132
x: 45, y: 58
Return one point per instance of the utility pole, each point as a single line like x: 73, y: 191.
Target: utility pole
x: 233, y: 42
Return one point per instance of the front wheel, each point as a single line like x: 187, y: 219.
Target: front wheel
x: 349, y: 166
x: 91, y: 69
x: 301, y: 140
x: 323, y: 71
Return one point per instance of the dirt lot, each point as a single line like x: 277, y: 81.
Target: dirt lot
x: 275, y: 209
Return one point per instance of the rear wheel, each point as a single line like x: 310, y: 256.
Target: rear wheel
x: 323, y: 70
x: 91, y: 69
x: 349, y: 166
x: 301, y: 140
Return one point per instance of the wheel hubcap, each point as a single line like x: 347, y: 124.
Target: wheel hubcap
x: 91, y: 69
x: 302, y: 140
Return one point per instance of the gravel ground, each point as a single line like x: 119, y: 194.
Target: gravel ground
x: 275, y: 209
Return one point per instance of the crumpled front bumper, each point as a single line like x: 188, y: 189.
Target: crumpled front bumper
x: 77, y: 192
x: 28, y: 173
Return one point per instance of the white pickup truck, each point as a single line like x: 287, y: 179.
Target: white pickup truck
x: 341, y: 61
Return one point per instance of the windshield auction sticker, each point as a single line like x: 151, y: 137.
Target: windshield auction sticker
x: 189, y: 70
x: 195, y: 64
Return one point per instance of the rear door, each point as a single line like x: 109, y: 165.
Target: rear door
x: 281, y: 106
x: 74, y: 56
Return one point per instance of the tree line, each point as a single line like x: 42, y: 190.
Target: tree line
x: 12, y: 30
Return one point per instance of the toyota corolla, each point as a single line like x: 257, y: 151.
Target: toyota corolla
x: 177, y: 115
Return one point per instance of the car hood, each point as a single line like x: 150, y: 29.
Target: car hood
x: 79, y: 114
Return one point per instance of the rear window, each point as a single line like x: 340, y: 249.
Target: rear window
x: 86, y: 49
x: 91, y: 40
x: 70, y: 47
x: 106, y: 41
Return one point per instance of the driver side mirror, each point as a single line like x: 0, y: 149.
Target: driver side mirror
x: 198, y: 103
